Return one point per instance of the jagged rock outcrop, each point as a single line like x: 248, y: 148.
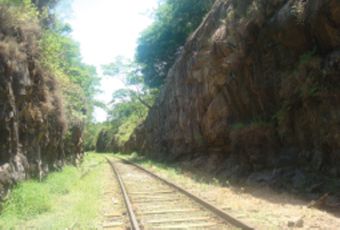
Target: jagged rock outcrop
x: 32, y: 122
x: 255, y: 87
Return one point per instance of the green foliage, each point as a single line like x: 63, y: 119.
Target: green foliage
x: 126, y: 114
x: 126, y: 129
x: 238, y: 125
x: 78, y: 81
x: 306, y: 57
x: 158, y: 44
x: 27, y: 200
x: 60, y: 56
x: 126, y: 70
x: 129, y: 106
x: 23, y: 10
x: 32, y: 198
x: 37, y: 3
x: 29, y: 9
x: 67, y: 195
x: 61, y: 183
x: 91, y: 134
x: 45, y: 3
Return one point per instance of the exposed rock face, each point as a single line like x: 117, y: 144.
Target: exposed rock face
x: 256, y: 86
x: 32, y: 123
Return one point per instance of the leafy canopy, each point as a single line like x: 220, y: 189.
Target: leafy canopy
x: 174, y: 21
x: 78, y: 81
x: 128, y: 107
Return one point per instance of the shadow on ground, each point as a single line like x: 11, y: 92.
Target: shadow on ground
x: 308, y: 188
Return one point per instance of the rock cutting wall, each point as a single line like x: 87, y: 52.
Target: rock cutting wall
x: 256, y: 87
x: 32, y: 122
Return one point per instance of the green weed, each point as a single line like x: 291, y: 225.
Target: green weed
x: 237, y: 126
x: 306, y: 57
x: 61, y: 183
x: 64, y: 199
x: 28, y: 199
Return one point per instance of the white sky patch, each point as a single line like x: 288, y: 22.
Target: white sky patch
x: 106, y: 29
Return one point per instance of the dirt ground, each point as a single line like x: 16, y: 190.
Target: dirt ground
x: 261, y: 207
x: 113, y: 208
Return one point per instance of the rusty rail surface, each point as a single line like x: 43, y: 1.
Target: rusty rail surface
x: 225, y: 217
x: 132, y: 216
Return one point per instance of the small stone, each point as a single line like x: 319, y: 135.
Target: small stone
x: 114, y: 201
x: 298, y: 223
x: 291, y: 224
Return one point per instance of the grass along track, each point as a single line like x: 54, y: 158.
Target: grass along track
x: 154, y: 203
x: 69, y: 199
x: 89, y: 198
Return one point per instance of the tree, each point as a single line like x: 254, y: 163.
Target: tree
x: 41, y: 4
x: 130, y: 73
x: 174, y: 21
x: 79, y: 81
x: 129, y: 106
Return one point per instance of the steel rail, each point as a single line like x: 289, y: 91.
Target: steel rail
x: 132, y: 216
x: 208, y: 206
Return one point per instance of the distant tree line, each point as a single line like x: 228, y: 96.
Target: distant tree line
x: 174, y: 21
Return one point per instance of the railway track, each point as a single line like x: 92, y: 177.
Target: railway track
x: 155, y: 203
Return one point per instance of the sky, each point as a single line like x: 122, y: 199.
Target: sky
x: 106, y: 29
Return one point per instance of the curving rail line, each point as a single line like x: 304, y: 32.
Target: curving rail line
x: 153, y: 202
